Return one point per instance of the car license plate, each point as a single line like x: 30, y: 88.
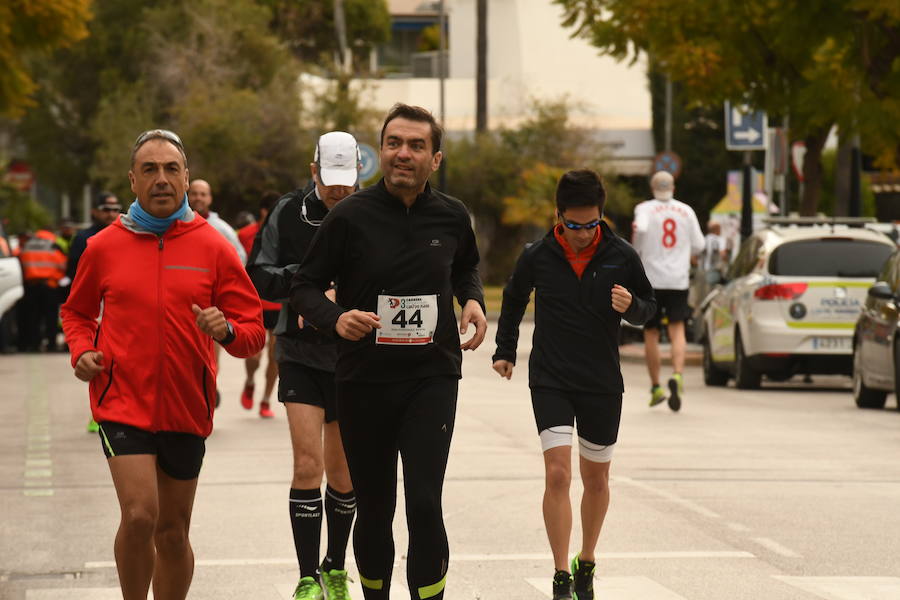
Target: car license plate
x: 832, y: 343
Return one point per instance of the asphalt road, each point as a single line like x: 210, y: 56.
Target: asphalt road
x: 789, y: 492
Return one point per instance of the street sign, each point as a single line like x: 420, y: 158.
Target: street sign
x: 798, y: 151
x: 745, y: 129
x: 668, y: 161
x: 369, y: 159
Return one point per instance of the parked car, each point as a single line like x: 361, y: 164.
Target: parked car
x: 876, y: 346
x: 10, y: 276
x: 790, y: 300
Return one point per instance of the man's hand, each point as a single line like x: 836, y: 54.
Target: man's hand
x: 473, y: 314
x: 89, y: 364
x: 211, y: 321
x: 504, y: 368
x: 621, y: 299
x: 355, y: 324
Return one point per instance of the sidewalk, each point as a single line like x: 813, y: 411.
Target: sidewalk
x: 634, y: 352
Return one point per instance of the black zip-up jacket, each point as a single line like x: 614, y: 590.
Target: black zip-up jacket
x: 371, y: 244
x: 278, y: 248
x: 576, y: 330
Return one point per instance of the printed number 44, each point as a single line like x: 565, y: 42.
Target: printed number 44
x: 400, y: 319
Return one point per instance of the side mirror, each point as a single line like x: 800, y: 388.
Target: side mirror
x: 881, y: 290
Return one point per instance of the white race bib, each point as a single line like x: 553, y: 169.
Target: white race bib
x: 407, y: 320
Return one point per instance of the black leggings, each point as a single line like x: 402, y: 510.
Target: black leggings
x: 414, y: 418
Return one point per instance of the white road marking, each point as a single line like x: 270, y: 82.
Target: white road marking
x: 674, y: 498
x: 775, y: 547
x: 76, y: 594
x: 847, y: 588
x: 617, y: 588
x: 738, y: 527
x: 456, y: 558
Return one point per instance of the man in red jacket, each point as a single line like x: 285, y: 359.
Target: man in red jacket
x: 168, y: 286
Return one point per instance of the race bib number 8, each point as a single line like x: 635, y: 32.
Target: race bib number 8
x: 407, y: 320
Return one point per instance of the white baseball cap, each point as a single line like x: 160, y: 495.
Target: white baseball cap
x: 337, y: 155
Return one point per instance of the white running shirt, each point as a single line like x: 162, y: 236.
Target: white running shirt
x: 666, y: 234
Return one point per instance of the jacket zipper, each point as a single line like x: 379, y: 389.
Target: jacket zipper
x: 112, y: 364
x: 159, y: 328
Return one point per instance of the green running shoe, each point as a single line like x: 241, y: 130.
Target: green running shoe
x: 334, y: 583
x: 676, y: 391
x: 562, y: 586
x: 657, y: 395
x: 583, y: 578
x: 93, y: 426
x: 308, y: 589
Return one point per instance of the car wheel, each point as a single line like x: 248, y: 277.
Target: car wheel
x: 865, y: 396
x: 712, y: 375
x: 745, y: 377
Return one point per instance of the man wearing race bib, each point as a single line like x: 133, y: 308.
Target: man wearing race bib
x: 399, y: 252
x: 666, y: 235
x: 587, y: 279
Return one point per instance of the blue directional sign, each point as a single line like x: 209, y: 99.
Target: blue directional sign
x: 369, y: 159
x: 745, y: 129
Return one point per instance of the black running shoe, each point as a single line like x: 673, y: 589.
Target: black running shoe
x: 562, y: 586
x: 676, y: 391
x: 583, y: 578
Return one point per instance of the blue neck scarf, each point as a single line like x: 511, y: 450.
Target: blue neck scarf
x: 155, y: 224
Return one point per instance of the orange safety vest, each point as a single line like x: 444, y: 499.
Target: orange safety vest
x: 42, y: 260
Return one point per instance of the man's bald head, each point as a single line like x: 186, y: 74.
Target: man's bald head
x: 200, y: 196
x: 663, y: 185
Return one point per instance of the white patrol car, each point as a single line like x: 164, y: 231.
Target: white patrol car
x: 790, y: 300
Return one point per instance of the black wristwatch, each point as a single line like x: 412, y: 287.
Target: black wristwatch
x: 229, y: 337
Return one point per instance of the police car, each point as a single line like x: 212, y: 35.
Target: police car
x: 10, y: 276
x: 790, y: 301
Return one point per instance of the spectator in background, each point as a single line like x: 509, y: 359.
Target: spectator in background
x: 43, y: 267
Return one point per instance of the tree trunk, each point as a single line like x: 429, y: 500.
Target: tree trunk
x: 842, y: 177
x: 812, y: 172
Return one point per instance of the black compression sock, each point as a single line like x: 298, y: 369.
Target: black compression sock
x: 306, y: 523
x: 339, y: 510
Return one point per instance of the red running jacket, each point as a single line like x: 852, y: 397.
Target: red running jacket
x: 159, y: 370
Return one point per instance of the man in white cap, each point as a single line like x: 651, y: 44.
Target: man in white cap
x: 666, y: 234
x: 306, y: 362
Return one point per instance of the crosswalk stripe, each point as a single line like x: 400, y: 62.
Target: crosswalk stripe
x: 617, y: 588
x: 286, y: 590
x: 77, y: 594
x: 457, y: 558
x: 846, y: 588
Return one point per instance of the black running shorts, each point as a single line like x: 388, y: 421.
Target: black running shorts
x: 597, y: 415
x: 671, y: 303
x: 179, y: 455
x: 270, y: 319
x: 306, y: 385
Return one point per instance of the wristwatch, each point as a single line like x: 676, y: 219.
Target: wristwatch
x: 229, y: 337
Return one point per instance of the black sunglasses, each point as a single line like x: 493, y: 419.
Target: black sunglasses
x: 159, y: 133
x: 576, y: 226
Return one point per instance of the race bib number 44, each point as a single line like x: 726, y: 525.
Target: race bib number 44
x: 407, y: 320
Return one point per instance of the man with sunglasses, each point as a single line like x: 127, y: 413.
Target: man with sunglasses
x: 155, y: 275
x: 587, y: 279
x: 306, y: 363
x: 105, y: 211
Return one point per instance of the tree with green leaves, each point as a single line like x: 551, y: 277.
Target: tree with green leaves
x: 820, y: 62
x: 28, y: 28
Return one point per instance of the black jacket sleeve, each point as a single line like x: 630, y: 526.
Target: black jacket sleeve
x: 268, y: 270
x: 318, y: 269
x: 643, y: 302
x: 464, y: 274
x: 75, y: 251
x: 515, y: 299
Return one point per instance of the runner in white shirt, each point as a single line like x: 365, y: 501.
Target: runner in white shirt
x: 666, y: 235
